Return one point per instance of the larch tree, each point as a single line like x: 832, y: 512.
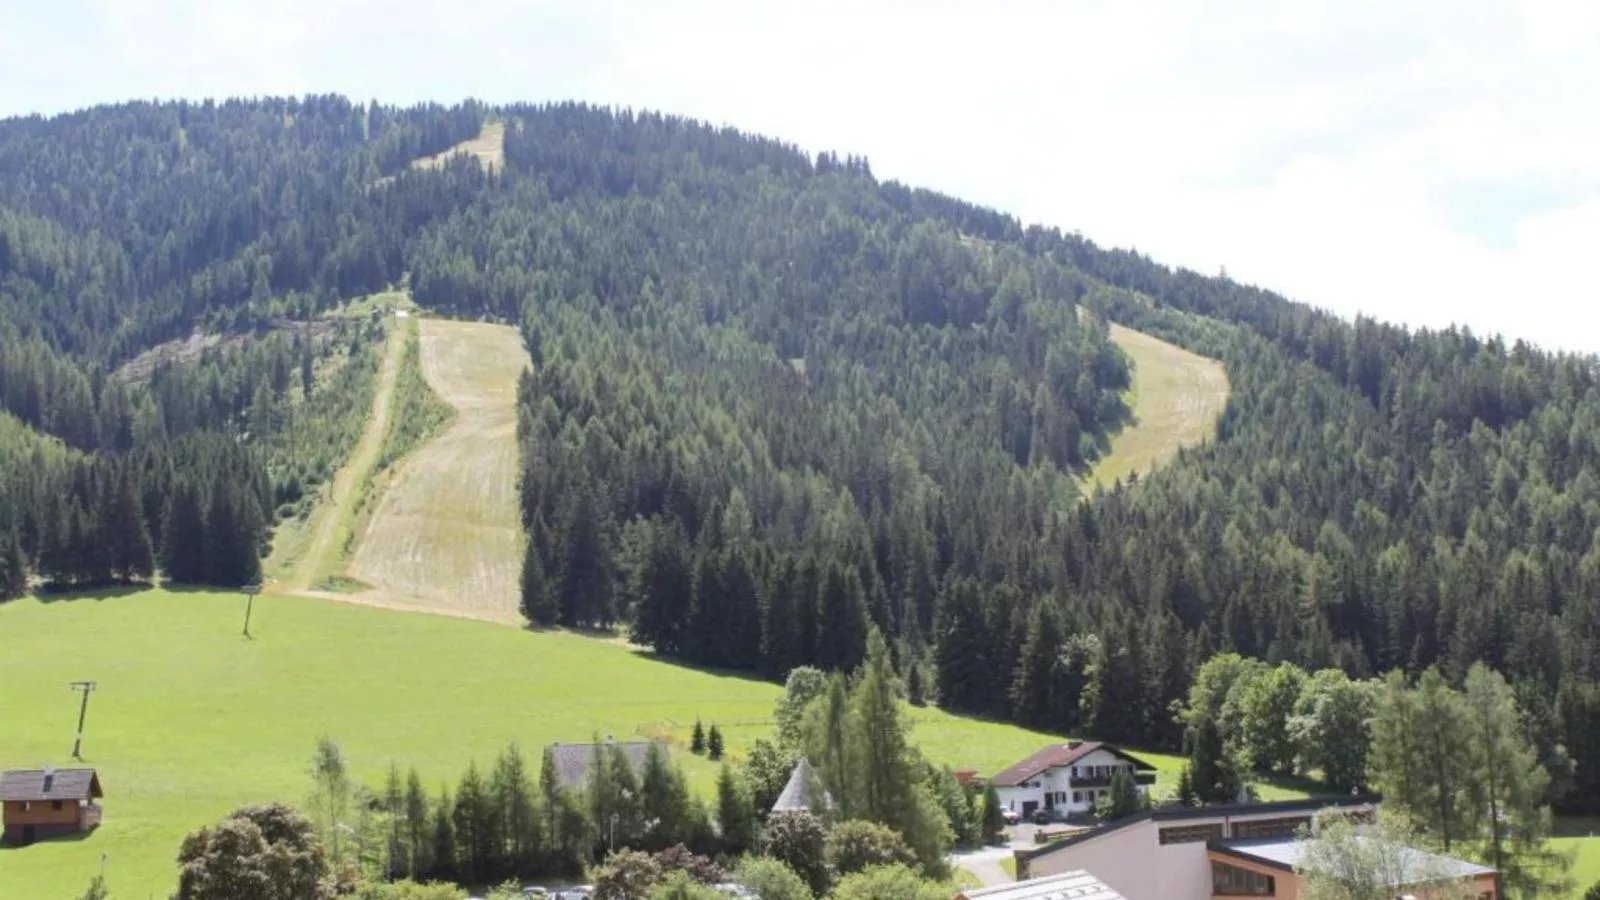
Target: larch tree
x: 1508, y: 788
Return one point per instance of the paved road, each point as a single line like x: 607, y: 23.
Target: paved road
x: 985, y: 864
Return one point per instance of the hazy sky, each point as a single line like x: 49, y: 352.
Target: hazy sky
x: 1427, y: 162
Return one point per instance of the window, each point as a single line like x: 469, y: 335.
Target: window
x: 55, y: 805
x: 26, y: 806
x: 1188, y: 834
x: 1285, y: 827
x: 1077, y: 796
x: 1232, y: 881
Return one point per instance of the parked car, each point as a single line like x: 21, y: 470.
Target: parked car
x: 535, y: 891
x: 1042, y: 817
x: 1012, y: 817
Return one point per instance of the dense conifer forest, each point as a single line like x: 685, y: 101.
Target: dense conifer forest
x: 777, y: 401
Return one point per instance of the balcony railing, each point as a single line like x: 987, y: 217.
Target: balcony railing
x: 1144, y: 778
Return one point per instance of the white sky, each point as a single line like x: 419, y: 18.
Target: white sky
x: 1423, y: 161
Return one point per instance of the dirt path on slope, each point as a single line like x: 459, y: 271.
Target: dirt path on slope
x: 333, y: 517
x: 446, y: 536
x: 1177, y: 397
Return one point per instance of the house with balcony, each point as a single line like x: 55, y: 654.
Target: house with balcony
x: 1067, y: 779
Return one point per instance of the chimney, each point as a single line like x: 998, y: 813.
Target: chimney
x: 49, y: 777
x: 1073, y: 745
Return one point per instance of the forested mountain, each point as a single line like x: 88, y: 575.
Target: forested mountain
x: 776, y: 400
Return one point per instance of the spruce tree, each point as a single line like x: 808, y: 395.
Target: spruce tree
x: 1036, y: 689
x: 841, y: 620
x: 419, y: 852
x: 1185, y: 794
x: 587, y: 579
x: 444, y: 838
x: 697, y: 740
x: 714, y: 744
x: 394, y: 808
x: 962, y: 651
x: 663, y: 589
x: 735, y: 815
x: 473, y: 817
x: 515, y: 813
x: 538, y: 601
x: 663, y: 800
x: 13, y: 567
x: 993, y: 817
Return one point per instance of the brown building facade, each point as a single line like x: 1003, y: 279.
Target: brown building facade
x: 46, y: 803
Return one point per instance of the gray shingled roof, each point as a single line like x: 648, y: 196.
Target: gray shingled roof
x: 1078, y: 885
x: 58, y: 784
x: 801, y: 790
x: 1288, y: 853
x: 572, y: 760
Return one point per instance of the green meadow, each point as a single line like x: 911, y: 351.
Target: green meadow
x: 191, y: 719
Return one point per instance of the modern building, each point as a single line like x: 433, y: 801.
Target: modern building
x: 1272, y: 867
x: 48, y: 802
x: 1063, y: 779
x: 1165, y: 853
x: 1066, y: 886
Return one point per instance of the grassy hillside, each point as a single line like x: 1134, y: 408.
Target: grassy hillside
x: 192, y: 720
x: 446, y: 536
x: 1176, y: 399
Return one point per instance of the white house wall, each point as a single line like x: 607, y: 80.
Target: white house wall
x: 1059, y: 780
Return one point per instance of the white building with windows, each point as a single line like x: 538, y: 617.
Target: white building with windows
x: 1065, y: 779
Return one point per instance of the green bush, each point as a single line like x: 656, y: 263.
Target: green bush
x: 854, y: 846
x: 890, y: 883
x: 772, y: 880
x: 681, y: 886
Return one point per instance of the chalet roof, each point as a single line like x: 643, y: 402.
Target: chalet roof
x: 50, y: 784
x: 1057, y: 755
x: 572, y: 760
x: 1288, y: 854
x: 804, y: 791
x: 1076, y: 885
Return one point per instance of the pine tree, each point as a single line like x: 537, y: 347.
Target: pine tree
x: 515, y: 813
x: 538, y: 602
x: 394, y: 807
x: 419, y: 855
x: 714, y: 744
x: 663, y: 800
x: 124, y: 532
x: 444, y: 838
x: 664, y: 589
x: 962, y: 653
x: 994, y: 817
x: 183, y: 530
x: 1036, y: 687
x: 473, y: 818
x: 841, y: 620
x: 735, y: 815
x: 697, y: 741
x: 587, y: 584
x: 13, y: 567
x: 1185, y: 794
x: 916, y: 690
